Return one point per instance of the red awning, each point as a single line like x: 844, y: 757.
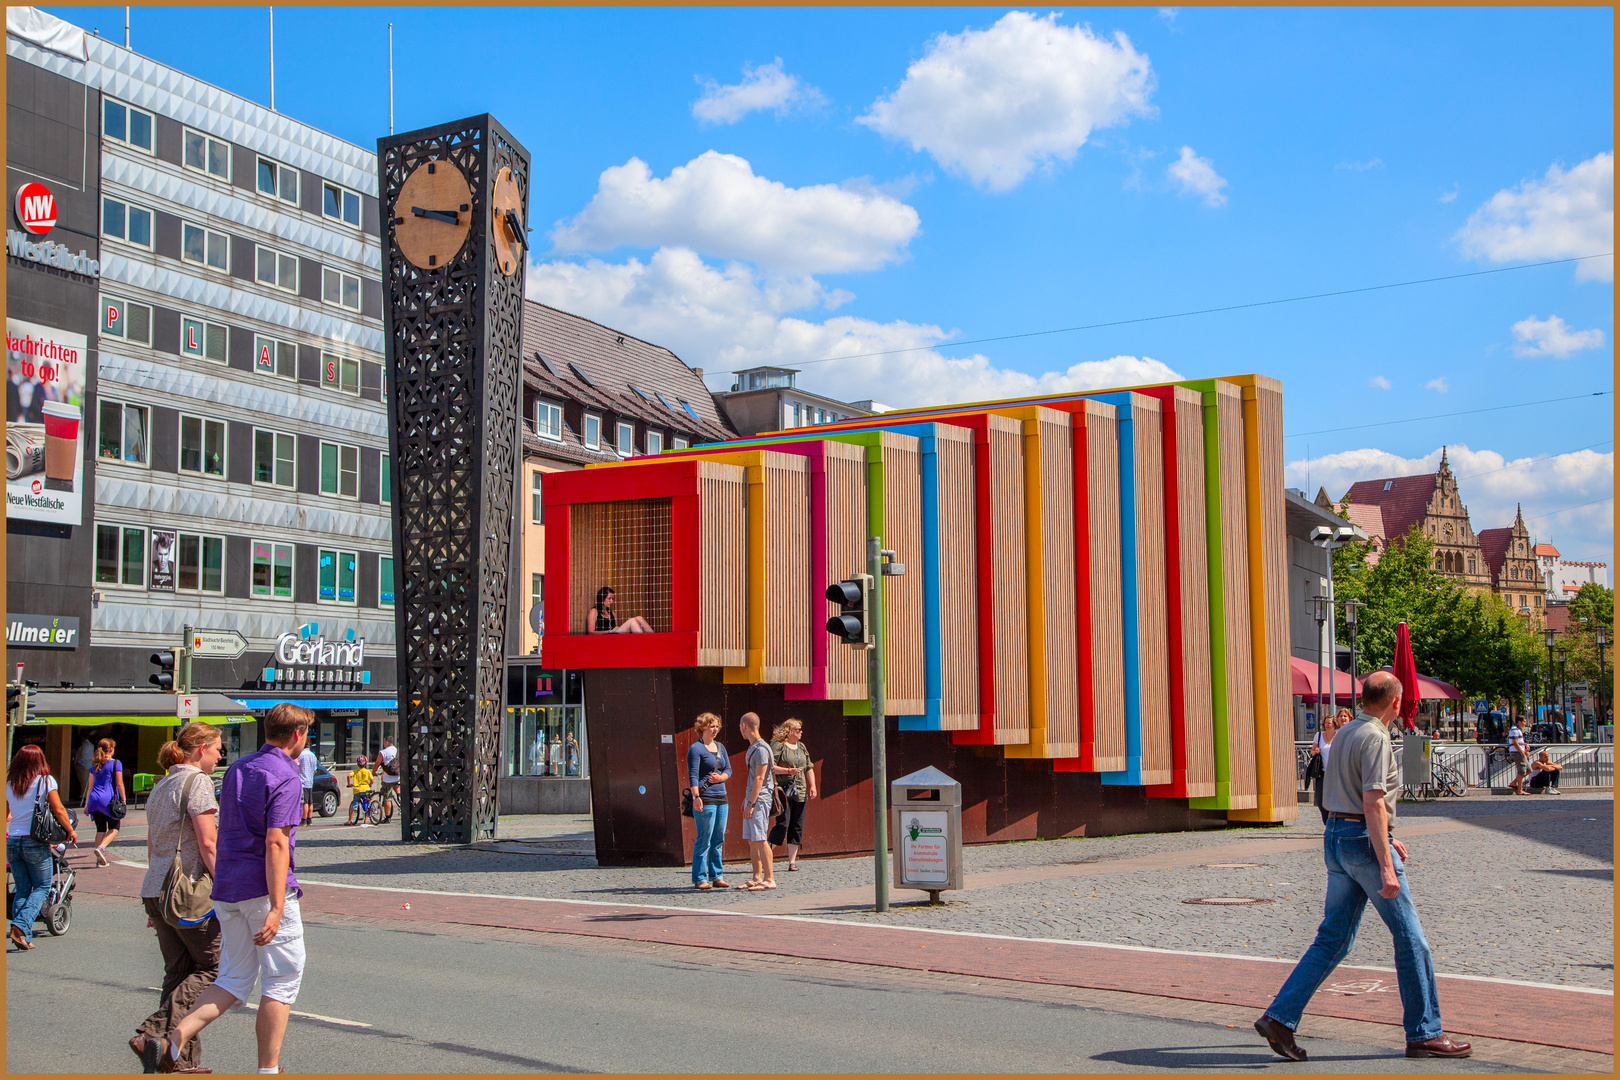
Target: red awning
x: 1304, y: 680
x: 1430, y: 688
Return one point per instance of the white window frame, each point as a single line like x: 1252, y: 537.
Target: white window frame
x: 548, y: 419
x: 655, y: 441
x: 359, y: 205
x: 339, y: 448
x: 537, y: 505
x: 382, y: 561
x: 124, y: 140
x: 203, y: 326
x: 124, y: 307
x: 275, y: 458
x: 678, y: 442
x: 591, y: 431
x: 279, y: 168
x: 259, y: 252
x: 204, y: 423
x: 343, y: 277
x: 337, y: 583
x: 123, y: 407
x: 95, y: 556
x: 619, y: 440
x: 180, y: 539
x: 276, y: 344
x: 209, y: 236
x: 208, y: 142
x: 151, y: 222
x: 275, y: 546
x: 338, y: 364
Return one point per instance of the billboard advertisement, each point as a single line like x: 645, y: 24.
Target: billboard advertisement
x: 45, y: 423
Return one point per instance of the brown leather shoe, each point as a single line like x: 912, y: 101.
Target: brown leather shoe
x: 1281, y: 1039
x: 1441, y: 1045
x: 155, y: 1056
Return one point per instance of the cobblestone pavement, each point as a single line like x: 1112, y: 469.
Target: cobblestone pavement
x: 1494, y: 877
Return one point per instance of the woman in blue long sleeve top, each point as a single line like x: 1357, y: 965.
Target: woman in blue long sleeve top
x: 708, y: 767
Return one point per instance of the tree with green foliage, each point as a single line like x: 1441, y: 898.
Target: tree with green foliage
x: 1591, y: 608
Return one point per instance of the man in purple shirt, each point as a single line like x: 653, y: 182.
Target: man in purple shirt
x: 255, y: 894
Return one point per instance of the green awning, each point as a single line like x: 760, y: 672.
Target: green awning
x: 155, y: 709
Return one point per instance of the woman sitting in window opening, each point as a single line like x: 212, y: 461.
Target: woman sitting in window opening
x: 603, y: 621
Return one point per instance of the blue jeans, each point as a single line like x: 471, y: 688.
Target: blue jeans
x: 1352, y: 881
x: 711, y: 836
x: 32, y: 869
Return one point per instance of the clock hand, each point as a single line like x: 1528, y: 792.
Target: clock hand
x: 446, y: 216
x: 515, y: 227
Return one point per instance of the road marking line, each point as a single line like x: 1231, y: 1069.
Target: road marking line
x: 251, y: 1007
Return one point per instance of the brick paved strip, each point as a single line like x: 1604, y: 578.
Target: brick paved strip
x: 1581, y: 1020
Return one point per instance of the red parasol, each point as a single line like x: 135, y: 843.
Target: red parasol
x: 1405, y: 668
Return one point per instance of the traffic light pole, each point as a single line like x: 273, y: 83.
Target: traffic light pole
x: 880, y: 769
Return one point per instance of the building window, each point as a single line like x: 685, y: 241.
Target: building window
x: 340, y: 288
x: 340, y: 373
x: 122, y: 435
x: 593, y: 431
x: 626, y: 438
x: 548, y: 420
x: 272, y: 357
x: 385, y: 581
x: 122, y: 319
x: 340, y: 470
x: 340, y: 203
x: 336, y: 584
x: 655, y: 442
x: 1538, y: 599
x: 202, y: 446
x: 208, y: 154
x: 537, y: 589
x: 205, y: 247
x: 1471, y: 565
x: 273, y: 454
x: 126, y: 124
x: 537, y: 506
x: 678, y: 442
x: 201, y: 566
x: 272, y: 570
x: 203, y: 339
x: 385, y: 480
x: 122, y: 221
x: 275, y: 269
x: 121, y: 556
x: 278, y: 180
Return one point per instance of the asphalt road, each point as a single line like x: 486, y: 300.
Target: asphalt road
x: 466, y: 999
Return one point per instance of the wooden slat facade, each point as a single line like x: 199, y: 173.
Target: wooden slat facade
x: 905, y: 675
x: 783, y: 546
x: 1151, y: 579
x: 1102, y: 667
x: 1242, y: 784
x: 1192, y: 618
x: 846, y: 554
x: 723, y: 634
x: 958, y: 595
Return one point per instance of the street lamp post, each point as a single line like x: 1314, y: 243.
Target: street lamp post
x: 1330, y: 539
x: 1549, y: 639
x: 1352, y: 606
x: 1602, y: 639
x: 1563, y: 689
x: 1322, y: 610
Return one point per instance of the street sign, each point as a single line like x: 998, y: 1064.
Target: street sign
x: 1481, y: 707
x: 217, y: 644
x: 185, y: 706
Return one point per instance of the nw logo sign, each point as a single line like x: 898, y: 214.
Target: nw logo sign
x: 36, y: 208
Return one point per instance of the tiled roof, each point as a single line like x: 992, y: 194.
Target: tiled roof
x: 1494, y: 543
x: 1546, y: 549
x: 1369, y: 519
x: 1402, y: 500
x: 1558, y: 618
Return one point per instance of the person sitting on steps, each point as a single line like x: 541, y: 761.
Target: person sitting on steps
x: 602, y: 620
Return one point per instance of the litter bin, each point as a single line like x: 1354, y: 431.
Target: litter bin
x: 1416, y: 766
x: 925, y: 820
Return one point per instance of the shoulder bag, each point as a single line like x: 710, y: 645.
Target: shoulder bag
x: 45, y: 828
x: 186, y: 901
x: 115, y: 804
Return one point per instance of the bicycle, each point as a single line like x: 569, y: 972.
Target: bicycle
x: 1447, y: 778
x: 371, y: 808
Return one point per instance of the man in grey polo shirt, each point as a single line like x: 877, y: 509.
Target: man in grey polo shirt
x: 1365, y: 862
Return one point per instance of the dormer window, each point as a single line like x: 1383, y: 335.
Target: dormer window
x: 548, y: 421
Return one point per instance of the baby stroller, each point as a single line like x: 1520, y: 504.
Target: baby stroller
x: 57, y: 913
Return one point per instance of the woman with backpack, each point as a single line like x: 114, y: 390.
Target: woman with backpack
x: 106, y: 802
x: 30, y: 788
x: 182, y: 819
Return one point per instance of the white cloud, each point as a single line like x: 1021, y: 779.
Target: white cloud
x: 1360, y: 166
x: 1552, y: 337
x: 763, y: 87
x: 1491, y: 489
x: 1197, y: 176
x: 997, y: 104
x: 727, y: 318
x: 1378, y: 382
x: 1450, y: 196
x: 1565, y: 215
x: 717, y: 205
x: 1168, y: 14
x: 1439, y: 386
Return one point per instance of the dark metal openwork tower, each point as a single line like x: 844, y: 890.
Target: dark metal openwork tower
x: 454, y: 333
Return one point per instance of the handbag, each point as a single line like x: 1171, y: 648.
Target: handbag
x: 45, y: 828
x: 186, y: 901
x: 686, y: 803
x: 115, y: 806
x: 1315, y: 770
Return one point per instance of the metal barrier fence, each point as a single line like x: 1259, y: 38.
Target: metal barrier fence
x: 1486, y: 765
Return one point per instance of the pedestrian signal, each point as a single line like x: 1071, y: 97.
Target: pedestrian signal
x: 853, y: 624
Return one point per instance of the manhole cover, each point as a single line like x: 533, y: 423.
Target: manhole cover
x: 1235, y: 865
x: 1228, y: 901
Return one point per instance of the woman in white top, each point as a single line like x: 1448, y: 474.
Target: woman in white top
x: 1320, y: 746
x: 29, y: 781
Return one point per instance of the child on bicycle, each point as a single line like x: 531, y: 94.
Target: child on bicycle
x: 360, y: 781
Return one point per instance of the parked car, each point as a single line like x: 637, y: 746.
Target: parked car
x: 327, y: 799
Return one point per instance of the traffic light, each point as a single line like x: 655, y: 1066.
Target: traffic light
x: 853, y: 624
x: 14, y: 702
x: 30, y: 706
x: 168, y: 668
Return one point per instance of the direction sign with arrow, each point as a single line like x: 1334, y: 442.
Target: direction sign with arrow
x: 217, y: 644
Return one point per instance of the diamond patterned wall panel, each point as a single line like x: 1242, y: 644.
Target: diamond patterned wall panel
x: 454, y: 341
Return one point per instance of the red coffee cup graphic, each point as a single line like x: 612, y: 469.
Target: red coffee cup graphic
x: 61, y: 443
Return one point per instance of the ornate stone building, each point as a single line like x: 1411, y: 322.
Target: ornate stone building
x: 1515, y: 576
x: 1431, y: 503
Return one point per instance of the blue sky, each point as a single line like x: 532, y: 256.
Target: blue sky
x: 790, y: 185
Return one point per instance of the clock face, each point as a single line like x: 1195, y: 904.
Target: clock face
x: 506, y: 222
x: 432, y: 215
x: 1447, y: 530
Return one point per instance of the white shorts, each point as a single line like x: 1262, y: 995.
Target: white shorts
x: 756, y: 826
x: 278, y: 967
